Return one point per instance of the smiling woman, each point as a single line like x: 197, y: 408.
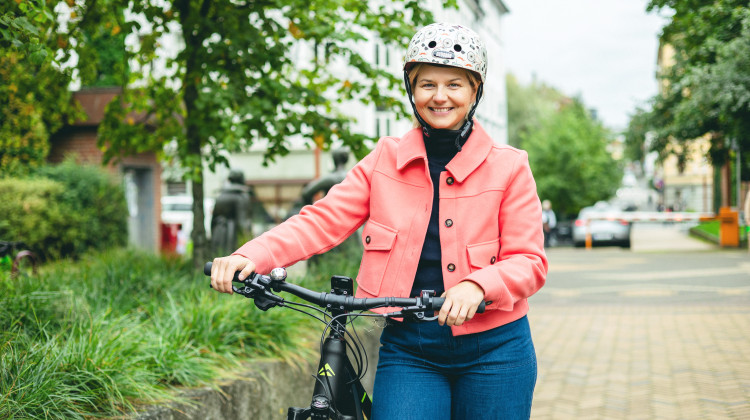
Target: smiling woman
x: 443, y: 95
x: 446, y: 210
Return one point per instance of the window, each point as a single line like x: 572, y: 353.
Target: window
x: 176, y: 188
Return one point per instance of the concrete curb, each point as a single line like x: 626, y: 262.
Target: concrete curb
x: 265, y: 392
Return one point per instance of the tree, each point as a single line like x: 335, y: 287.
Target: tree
x: 707, y: 88
x: 234, y: 80
x: 528, y: 106
x: 567, y: 148
x: 23, y: 27
x: 569, y: 157
x: 720, y: 91
x: 635, y: 136
x: 34, y: 97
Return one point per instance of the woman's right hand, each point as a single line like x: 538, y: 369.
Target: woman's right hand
x: 223, y: 269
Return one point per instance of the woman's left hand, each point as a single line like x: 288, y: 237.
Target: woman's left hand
x: 461, y: 303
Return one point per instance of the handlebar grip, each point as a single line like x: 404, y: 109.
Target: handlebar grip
x: 437, y: 302
x: 207, y: 271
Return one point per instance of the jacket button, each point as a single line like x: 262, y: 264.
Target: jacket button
x: 451, y: 267
x: 449, y: 223
x: 367, y: 239
x: 449, y: 180
x: 492, y: 260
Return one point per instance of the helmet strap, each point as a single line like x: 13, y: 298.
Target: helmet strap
x: 426, y: 129
x: 466, y: 128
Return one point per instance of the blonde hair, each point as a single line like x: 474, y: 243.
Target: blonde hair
x: 413, y: 74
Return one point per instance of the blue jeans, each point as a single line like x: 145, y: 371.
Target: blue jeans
x: 426, y: 373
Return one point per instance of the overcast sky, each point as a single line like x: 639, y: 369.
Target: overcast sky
x: 602, y: 50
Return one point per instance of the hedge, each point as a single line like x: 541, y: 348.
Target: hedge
x: 63, y: 211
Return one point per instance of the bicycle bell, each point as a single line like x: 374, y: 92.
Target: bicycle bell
x: 278, y: 274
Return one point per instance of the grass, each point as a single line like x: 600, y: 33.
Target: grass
x: 101, y: 336
x: 710, y: 231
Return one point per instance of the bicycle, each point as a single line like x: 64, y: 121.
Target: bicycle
x: 338, y: 393
x: 15, y: 254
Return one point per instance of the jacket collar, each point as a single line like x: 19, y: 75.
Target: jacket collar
x: 475, y: 151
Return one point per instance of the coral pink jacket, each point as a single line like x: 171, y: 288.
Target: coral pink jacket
x: 490, y: 224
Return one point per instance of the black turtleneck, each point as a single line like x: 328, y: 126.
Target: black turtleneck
x: 441, y: 149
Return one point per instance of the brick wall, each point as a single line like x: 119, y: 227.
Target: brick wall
x: 80, y: 139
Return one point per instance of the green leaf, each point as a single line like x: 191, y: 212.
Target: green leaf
x: 23, y: 24
x: 38, y: 57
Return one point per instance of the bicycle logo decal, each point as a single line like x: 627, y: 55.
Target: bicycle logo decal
x: 326, y: 371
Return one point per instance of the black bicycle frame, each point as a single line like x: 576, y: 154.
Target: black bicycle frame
x: 338, y: 391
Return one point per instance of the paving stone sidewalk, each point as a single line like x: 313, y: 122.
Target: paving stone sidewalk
x: 642, y: 362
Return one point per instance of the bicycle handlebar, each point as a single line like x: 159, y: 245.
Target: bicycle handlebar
x: 259, y: 284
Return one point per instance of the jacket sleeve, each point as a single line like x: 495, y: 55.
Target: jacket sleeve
x: 318, y: 227
x: 522, y: 265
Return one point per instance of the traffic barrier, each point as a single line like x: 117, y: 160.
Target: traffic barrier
x: 656, y: 216
x: 729, y: 234
x: 647, y: 216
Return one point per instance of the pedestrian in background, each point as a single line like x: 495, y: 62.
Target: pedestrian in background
x: 747, y: 217
x: 447, y: 209
x: 549, y: 221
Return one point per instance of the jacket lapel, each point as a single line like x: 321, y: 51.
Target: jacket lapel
x: 410, y: 147
x: 474, y: 152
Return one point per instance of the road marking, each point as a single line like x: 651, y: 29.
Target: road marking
x: 645, y: 290
x: 602, y: 264
x: 671, y: 274
x: 648, y: 293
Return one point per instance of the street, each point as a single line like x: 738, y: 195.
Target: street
x: 661, y: 331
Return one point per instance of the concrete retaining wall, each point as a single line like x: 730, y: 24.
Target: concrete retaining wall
x: 265, y: 392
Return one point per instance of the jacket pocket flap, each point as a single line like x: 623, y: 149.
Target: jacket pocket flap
x: 484, y: 253
x: 378, y: 237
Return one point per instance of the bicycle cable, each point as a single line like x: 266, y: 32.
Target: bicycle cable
x: 291, y: 305
x: 355, y: 343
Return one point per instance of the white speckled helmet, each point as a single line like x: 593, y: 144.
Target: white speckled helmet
x: 448, y: 44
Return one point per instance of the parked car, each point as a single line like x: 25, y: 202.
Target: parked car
x: 605, y: 225
x: 178, y: 210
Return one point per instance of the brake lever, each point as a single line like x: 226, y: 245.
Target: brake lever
x: 412, y: 313
x: 256, y: 288
x: 267, y: 301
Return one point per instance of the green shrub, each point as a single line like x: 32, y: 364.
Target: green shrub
x: 64, y: 211
x: 94, y: 337
x: 32, y: 214
x: 98, y: 201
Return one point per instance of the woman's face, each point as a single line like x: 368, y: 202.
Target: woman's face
x: 443, y: 96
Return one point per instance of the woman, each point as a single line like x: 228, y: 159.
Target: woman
x: 444, y: 209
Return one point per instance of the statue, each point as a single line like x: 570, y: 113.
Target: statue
x: 231, y: 216
x: 323, y: 184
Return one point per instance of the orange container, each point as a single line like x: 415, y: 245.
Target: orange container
x: 729, y: 230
